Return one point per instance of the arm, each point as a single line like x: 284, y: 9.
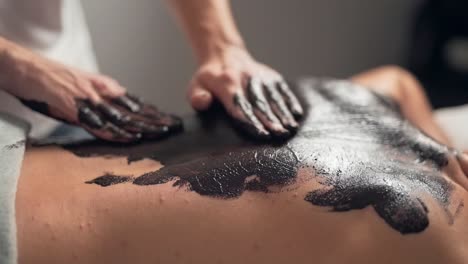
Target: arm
x: 255, y: 95
x: 95, y: 102
x: 209, y: 26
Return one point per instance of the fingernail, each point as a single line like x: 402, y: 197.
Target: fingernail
x: 201, y: 100
x: 291, y: 124
x: 200, y: 93
x: 282, y: 133
x: 89, y: 118
x: 263, y: 133
x: 122, y: 134
x: 278, y: 128
x: 148, y: 128
x: 298, y: 111
x: 127, y: 103
x: 259, y: 130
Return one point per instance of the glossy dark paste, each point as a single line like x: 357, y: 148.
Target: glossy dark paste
x: 356, y: 143
x: 124, y: 119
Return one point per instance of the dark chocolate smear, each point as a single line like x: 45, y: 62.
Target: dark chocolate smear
x: 363, y: 153
x: 110, y: 179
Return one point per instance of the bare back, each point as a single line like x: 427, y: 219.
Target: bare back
x: 357, y: 184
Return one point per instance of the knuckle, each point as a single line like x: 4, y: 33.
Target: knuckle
x: 109, y: 81
x: 393, y: 71
x: 229, y: 77
x: 207, y: 75
x: 234, y: 91
x: 83, y: 84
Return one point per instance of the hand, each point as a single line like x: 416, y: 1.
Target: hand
x: 95, y: 102
x: 463, y: 161
x: 255, y: 96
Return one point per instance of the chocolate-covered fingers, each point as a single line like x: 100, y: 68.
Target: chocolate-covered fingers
x: 127, y: 103
x: 279, y: 106
x: 131, y: 122
x: 90, y: 118
x: 290, y: 98
x: 148, y: 113
x: 111, y: 132
x: 262, y: 109
x: 244, y: 116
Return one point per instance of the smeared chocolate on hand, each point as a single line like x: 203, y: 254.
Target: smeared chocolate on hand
x: 267, y: 110
x: 122, y: 119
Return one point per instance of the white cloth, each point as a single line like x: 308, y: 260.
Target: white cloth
x: 53, y: 28
x: 12, y: 145
x: 453, y: 121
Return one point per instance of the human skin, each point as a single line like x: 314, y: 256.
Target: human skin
x: 95, y: 102
x: 63, y: 219
x: 252, y: 93
x: 256, y: 96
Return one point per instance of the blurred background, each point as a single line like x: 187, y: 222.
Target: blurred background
x: 139, y: 44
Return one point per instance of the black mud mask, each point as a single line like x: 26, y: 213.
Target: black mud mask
x: 355, y: 142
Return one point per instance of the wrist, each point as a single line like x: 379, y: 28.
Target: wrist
x: 210, y: 41
x: 8, y: 65
x: 221, y: 51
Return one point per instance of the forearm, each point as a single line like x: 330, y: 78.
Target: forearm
x: 209, y: 25
x: 15, y: 62
x: 8, y: 51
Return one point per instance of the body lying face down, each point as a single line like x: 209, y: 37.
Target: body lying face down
x: 353, y: 142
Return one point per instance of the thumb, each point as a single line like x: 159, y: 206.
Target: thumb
x: 463, y: 160
x: 199, y: 97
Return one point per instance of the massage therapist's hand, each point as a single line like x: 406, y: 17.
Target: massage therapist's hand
x: 256, y: 96
x: 95, y: 102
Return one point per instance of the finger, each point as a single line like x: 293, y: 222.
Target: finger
x: 111, y: 132
x: 463, y: 160
x: 132, y: 123
x: 290, y: 98
x: 128, y: 103
x: 90, y: 119
x: 200, y: 98
x: 86, y: 115
x: 107, y: 87
x: 243, y: 114
x: 262, y: 109
x: 141, y: 111
x: 232, y: 97
x: 279, y: 106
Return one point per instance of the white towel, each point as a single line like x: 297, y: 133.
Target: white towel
x: 454, y: 121
x: 12, y: 144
